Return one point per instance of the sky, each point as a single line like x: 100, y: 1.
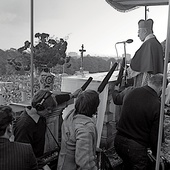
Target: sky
x: 93, y: 23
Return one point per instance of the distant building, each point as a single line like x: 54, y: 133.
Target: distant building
x: 73, y: 54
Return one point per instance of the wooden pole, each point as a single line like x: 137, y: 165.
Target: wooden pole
x: 161, y: 123
x: 146, y: 13
x: 32, y: 44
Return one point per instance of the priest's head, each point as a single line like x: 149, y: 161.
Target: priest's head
x: 145, y: 27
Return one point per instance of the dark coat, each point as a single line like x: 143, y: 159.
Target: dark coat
x: 26, y: 130
x: 16, y: 156
x: 140, y: 117
x: 149, y: 57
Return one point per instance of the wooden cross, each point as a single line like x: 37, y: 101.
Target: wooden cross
x: 82, y: 50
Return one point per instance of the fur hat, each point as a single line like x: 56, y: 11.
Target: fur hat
x: 148, y: 24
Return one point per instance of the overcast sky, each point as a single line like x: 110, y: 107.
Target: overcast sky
x: 93, y: 23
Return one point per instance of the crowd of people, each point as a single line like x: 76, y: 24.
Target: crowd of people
x: 12, y: 86
x: 137, y: 123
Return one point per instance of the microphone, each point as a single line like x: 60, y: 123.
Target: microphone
x: 127, y: 41
x: 84, y: 86
x: 106, y: 79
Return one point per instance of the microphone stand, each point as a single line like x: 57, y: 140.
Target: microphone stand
x: 125, y: 70
x: 125, y: 59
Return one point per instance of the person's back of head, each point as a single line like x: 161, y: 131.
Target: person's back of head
x: 6, y: 119
x: 87, y: 103
x: 156, y: 82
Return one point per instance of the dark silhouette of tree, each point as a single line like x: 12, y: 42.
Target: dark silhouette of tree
x: 17, y: 60
x: 18, y: 63
x: 91, y: 64
x: 46, y: 53
x: 49, y: 52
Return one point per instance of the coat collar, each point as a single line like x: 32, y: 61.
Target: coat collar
x: 149, y: 37
x: 33, y: 114
x: 152, y: 91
